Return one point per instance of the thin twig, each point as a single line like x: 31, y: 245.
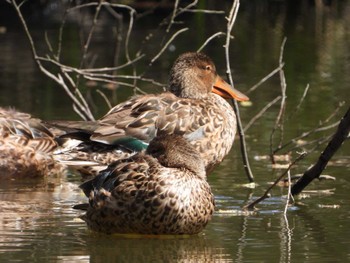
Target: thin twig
x: 267, y: 192
x: 119, y: 35
x: 103, y: 80
x: 132, y: 13
x: 217, y: 34
x: 31, y: 42
x: 104, y: 3
x: 279, y: 119
x: 85, y: 112
x: 172, y: 19
x: 257, y: 116
x: 340, y: 105
x: 321, y: 127
x: 86, y: 72
x: 58, y: 79
x: 188, y: 7
x: 204, y: 11
x: 167, y: 44
x: 76, y: 104
x: 60, y: 33
x: 319, y: 142
x: 87, y: 44
x: 105, y: 68
x: 88, y: 40
x: 231, y: 20
x: 105, y: 98
x: 304, y: 135
x: 297, y: 108
x: 48, y: 42
x: 264, y: 79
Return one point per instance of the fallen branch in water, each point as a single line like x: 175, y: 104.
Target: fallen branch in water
x: 339, y: 137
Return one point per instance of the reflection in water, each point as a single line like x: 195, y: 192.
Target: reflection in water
x: 37, y: 222
x: 193, y: 249
x: 242, y: 240
x: 37, y: 216
x: 286, y: 235
x: 29, y: 206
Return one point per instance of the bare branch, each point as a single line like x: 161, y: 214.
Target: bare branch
x: 87, y: 43
x: 83, y: 111
x: 204, y: 11
x: 132, y: 12
x: 267, y: 192
x: 60, y: 34
x: 276, y: 70
x: 304, y: 135
x: 315, y: 171
x: 76, y: 105
x: 301, y: 100
x: 320, y: 128
x: 105, y: 68
x: 105, y: 98
x: 188, y: 7
x: 48, y: 42
x: 230, y: 23
x: 257, y: 116
x: 279, y: 119
x: 167, y: 44
x: 172, y: 19
x: 217, y: 34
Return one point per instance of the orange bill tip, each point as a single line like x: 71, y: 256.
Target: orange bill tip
x: 223, y: 89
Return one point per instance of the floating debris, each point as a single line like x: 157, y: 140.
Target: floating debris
x: 329, y: 206
x: 235, y: 212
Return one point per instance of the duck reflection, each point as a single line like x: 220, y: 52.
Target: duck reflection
x: 196, y: 248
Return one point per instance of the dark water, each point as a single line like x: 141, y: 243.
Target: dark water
x: 37, y: 222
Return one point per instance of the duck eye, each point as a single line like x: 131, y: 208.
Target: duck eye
x: 208, y: 68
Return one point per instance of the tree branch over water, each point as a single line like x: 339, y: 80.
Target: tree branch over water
x: 79, y: 102
x: 339, y: 137
x: 295, y: 143
x: 279, y: 119
x: 231, y: 21
x: 71, y: 78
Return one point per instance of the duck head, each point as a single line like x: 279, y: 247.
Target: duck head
x: 174, y: 151
x: 194, y: 76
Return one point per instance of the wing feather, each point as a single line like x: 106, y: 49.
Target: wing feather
x: 141, y: 117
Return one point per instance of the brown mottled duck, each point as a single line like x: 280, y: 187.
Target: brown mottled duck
x: 162, y: 190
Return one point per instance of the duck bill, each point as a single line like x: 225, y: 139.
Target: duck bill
x: 225, y: 90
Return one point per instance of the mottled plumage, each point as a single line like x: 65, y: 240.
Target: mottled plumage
x: 25, y: 146
x: 189, y: 109
x: 160, y: 191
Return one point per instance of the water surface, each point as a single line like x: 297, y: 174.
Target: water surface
x: 38, y: 224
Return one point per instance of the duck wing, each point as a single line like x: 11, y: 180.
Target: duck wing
x: 120, y: 175
x: 145, y: 116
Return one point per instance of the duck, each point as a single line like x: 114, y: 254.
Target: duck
x: 159, y: 191
x: 194, y: 106
x: 26, y: 147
